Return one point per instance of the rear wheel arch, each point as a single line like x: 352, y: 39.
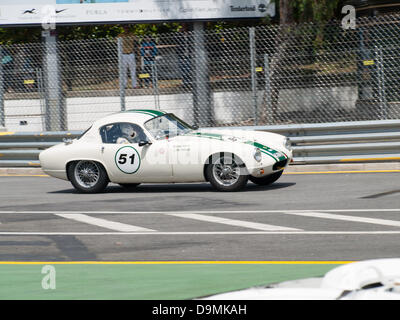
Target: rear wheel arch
x: 70, y: 163
x: 87, y: 176
x: 67, y: 166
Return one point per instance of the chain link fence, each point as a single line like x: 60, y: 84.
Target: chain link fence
x: 242, y: 76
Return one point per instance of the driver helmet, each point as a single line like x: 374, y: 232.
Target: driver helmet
x: 128, y: 131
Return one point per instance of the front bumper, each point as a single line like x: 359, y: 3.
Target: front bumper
x: 263, y: 170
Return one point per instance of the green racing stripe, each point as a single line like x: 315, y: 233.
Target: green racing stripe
x: 269, y: 151
x: 205, y: 135
x: 276, y: 155
x: 154, y: 113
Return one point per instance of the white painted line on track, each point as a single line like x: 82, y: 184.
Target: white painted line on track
x: 231, y: 222
x: 201, y: 215
x: 206, y: 233
x: 322, y: 215
x: 197, y: 211
x: 116, y: 226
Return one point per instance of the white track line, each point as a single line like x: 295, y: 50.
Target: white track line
x: 231, y: 222
x: 198, y: 211
x: 323, y: 215
x: 207, y: 233
x: 116, y: 226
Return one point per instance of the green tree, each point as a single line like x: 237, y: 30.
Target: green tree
x: 317, y: 11
x: 15, y: 35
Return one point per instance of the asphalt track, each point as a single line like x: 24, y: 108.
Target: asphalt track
x: 302, y: 219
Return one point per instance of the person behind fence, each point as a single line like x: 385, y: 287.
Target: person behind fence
x: 7, y: 62
x: 128, y: 57
x: 148, y: 51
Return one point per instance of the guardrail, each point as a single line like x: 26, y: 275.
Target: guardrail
x: 364, y: 141
x: 342, y: 142
x: 21, y: 149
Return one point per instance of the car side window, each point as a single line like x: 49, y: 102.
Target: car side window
x: 122, y: 132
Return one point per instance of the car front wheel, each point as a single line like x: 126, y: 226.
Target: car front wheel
x: 267, y: 180
x: 88, y: 176
x: 227, y: 172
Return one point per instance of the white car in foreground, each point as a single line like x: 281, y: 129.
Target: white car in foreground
x: 365, y: 280
x: 151, y: 146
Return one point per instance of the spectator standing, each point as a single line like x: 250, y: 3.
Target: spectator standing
x: 148, y: 51
x: 8, y: 69
x: 129, y: 45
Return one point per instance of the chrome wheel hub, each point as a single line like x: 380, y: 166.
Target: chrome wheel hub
x: 226, y: 171
x: 87, y: 173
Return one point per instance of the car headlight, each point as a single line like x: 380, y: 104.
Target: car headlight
x: 288, y: 144
x: 257, y: 155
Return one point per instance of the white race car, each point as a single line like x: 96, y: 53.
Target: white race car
x: 152, y: 146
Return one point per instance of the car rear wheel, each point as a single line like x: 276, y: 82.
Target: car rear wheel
x: 88, y: 176
x: 267, y: 180
x: 227, y: 172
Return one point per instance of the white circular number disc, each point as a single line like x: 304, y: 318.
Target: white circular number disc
x: 127, y: 160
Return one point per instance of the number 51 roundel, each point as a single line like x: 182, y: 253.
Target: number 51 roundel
x: 127, y: 160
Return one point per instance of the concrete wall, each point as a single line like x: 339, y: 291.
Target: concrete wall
x: 18, y: 112
x: 229, y: 107
x: 309, y: 98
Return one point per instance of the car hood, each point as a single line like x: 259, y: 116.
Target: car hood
x: 257, y: 138
x: 269, y: 143
x: 236, y: 135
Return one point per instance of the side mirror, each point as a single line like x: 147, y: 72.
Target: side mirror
x: 144, y: 143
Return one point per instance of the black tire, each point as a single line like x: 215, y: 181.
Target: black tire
x: 93, y: 180
x: 129, y: 186
x: 267, y: 180
x: 235, y: 169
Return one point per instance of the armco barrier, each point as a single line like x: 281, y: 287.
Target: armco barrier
x: 21, y: 149
x: 365, y: 141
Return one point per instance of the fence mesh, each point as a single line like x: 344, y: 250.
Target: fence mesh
x: 265, y: 75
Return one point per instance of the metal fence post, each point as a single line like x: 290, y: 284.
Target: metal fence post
x: 2, y: 113
x: 42, y: 96
x: 122, y: 77
x: 202, y: 91
x: 268, y: 98
x: 253, y: 72
x: 154, y: 78
x: 55, y: 113
x: 381, y: 85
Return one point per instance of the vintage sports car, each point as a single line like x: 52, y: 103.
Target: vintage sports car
x: 152, y: 146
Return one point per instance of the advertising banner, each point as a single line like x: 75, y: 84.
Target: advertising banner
x: 27, y: 12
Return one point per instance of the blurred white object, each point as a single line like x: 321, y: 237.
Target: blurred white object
x: 366, y: 280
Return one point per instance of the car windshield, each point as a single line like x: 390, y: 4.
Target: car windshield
x: 167, y: 126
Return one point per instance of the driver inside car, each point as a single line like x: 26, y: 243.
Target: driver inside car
x: 128, y: 134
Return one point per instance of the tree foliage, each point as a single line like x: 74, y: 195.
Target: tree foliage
x: 290, y: 11
x: 317, y: 11
x: 15, y: 35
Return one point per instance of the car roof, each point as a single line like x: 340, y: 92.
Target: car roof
x: 138, y: 116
